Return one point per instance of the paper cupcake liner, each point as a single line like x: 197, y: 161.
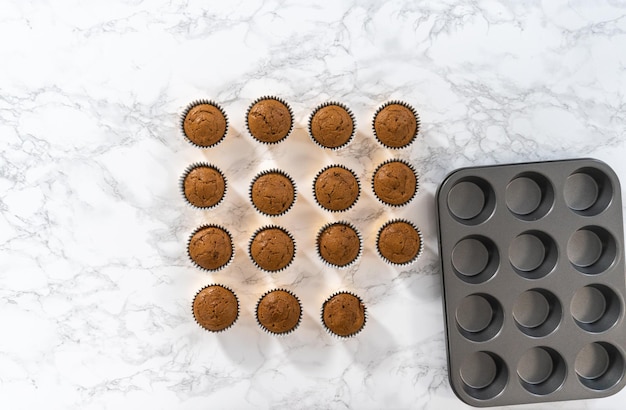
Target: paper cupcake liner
x: 411, y: 167
x: 232, y: 245
x: 280, y: 100
x: 273, y: 171
x: 186, y: 111
x: 266, y: 330
x: 419, y: 234
x: 319, y: 253
x: 181, y: 184
x: 194, y: 315
x: 404, y: 104
x: 261, y: 229
x: 364, y: 314
x: 358, y: 183
x: 328, y: 104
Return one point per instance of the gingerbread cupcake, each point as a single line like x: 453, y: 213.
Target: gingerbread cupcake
x: 396, y: 124
x: 338, y: 244
x: 273, y: 192
x: 332, y: 125
x: 204, y: 123
x: 210, y: 247
x: 272, y: 248
x: 203, y: 185
x: 269, y: 120
x: 395, y: 182
x: 344, y: 314
x: 215, y: 308
x: 336, y: 188
x: 399, y: 242
x: 278, y: 312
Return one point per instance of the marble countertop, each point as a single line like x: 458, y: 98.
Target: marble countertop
x: 95, y: 283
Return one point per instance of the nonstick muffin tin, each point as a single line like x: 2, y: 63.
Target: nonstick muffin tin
x: 534, y: 282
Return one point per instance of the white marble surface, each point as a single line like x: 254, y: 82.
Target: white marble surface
x: 95, y: 284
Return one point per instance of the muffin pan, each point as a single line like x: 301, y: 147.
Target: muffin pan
x: 533, y: 281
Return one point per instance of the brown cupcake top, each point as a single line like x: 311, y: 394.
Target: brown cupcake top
x: 204, y: 124
x: 399, y: 242
x: 344, y: 314
x: 269, y: 120
x: 331, y: 126
x: 336, y: 188
x: 395, y: 126
x: 204, y: 186
x: 215, y: 308
x: 272, y: 249
x: 272, y: 193
x: 278, y: 311
x: 338, y: 244
x: 395, y: 183
x: 210, y: 247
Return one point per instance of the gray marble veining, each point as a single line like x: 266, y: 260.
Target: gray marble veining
x: 95, y: 283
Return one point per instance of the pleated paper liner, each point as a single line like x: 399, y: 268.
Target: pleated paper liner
x: 387, y: 120
x: 272, y: 192
x: 332, y: 249
x: 263, y: 248
x: 204, y: 123
x: 209, y: 188
x: 394, y: 244
x: 335, y: 195
x: 270, y: 130
x: 220, y: 256
x: 332, y: 125
x: 343, y: 314
x: 281, y: 310
x: 390, y: 192
x: 212, y: 312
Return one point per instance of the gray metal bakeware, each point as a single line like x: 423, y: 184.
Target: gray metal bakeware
x: 532, y: 259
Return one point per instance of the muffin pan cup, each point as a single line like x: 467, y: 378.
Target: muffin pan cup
x: 533, y: 281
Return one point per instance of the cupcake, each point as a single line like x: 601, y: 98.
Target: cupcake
x: 343, y: 314
x: 272, y: 192
x: 394, y: 182
x: 336, y: 188
x: 210, y: 247
x: 338, y: 244
x: 272, y: 248
x: 331, y: 125
x: 215, y: 308
x: 203, y: 185
x: 399, y: 242
x: 269, y: 120
x: 396, y: 124
x: 204, y: 123
x: 278, y: 312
